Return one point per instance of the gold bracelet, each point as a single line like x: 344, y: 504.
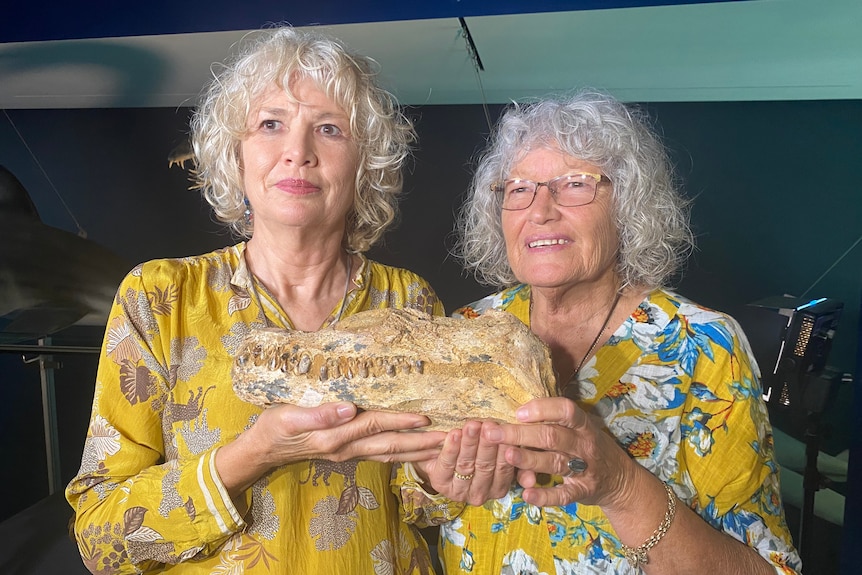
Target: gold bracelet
x: 638, y: 555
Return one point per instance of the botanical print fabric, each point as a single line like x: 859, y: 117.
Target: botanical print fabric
x: 678, y: 387
x: 148, y: 496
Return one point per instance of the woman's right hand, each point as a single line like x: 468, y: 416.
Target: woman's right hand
x: 335, y: 431
x: 468, y: 467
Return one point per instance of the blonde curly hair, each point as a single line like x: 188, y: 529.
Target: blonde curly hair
x: 383, y: 134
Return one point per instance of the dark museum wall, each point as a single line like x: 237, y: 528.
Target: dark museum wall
x: 776, y: 202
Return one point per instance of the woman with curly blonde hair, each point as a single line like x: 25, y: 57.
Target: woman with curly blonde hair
x: 299, y: 151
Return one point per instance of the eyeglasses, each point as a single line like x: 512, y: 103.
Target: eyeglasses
x: 568, y: 191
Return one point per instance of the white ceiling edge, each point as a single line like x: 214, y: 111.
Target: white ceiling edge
x: 754, y: 50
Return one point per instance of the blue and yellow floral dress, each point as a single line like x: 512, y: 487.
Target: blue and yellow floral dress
x: 678, y: 387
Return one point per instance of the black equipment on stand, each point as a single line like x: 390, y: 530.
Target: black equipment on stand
x: 801, y: 385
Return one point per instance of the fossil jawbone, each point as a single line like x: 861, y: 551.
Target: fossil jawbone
x: 401, y: 360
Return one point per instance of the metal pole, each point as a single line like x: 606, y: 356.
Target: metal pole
x: 25, y: 348
x: 49, y: 416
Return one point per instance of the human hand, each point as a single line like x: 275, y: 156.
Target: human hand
x: 338, y: 432
x: 469, y: 468
x: 559, y: 432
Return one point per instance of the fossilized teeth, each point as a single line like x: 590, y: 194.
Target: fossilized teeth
x: 332, y: 367
x: 304, y: 364
x: 401, y: 360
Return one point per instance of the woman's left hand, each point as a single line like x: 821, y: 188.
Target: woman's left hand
x: 469, y: 468
x: 562, y: 432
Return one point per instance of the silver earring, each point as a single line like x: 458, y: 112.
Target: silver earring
x: 247, y: 213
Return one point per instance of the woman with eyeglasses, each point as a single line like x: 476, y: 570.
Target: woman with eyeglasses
x: 657, y: 455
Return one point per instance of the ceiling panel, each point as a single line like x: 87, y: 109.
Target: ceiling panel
x: 753, y: 50
x: 67, y: 19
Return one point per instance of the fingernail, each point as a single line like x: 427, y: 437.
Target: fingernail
x: 345, y: 410
x: 494, y: 434
x: 522, y: 413
x: 420, y: 423
x: 472, y: 431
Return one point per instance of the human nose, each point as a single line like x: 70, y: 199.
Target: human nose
x: 543, y: 206
x: 299, y: 147
x: 551, y: 191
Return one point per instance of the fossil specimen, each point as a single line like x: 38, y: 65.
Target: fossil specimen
x: 401, y: 360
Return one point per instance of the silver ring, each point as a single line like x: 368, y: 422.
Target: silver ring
x: 576, y: 465
x: 467, y: 477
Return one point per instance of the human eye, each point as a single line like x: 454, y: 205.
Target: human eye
x: 516, y: 187
x: 269, y: 124
x: 575, y: 182
x: 330, y: 130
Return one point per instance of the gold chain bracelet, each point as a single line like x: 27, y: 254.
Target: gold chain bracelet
x: 637, y: 556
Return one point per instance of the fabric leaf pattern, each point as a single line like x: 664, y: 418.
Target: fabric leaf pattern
x: 133, y: 518
x: 136, y: 381
x: 162, y: 301
x: 103, y: 437
x: 331, y: 529
x: 384, y: 558
x: 367, y: 498
x: 119, y: 344
x: 147, y: 495
x: 252, y: 552
x: 237, y: 303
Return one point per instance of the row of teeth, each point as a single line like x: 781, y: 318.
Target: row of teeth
x: 327, y: 367
x: 539, y: 243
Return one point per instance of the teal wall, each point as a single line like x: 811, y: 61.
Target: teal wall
x: 777, y: 201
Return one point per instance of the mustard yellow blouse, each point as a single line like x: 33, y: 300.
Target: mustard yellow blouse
x: 147, y: 497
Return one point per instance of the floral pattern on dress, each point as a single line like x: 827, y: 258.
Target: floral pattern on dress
x: 677, y: 386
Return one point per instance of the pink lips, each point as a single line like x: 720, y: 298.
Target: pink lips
x: 296, y: 186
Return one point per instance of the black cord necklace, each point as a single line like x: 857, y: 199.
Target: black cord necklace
x: 593, y: 345
x: 598, y: 337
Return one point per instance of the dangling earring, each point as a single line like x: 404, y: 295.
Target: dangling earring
x: 247, y: 213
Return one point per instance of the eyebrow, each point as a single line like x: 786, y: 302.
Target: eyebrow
x: 324, y: 115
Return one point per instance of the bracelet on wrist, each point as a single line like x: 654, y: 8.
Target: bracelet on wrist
x: 637, y: 556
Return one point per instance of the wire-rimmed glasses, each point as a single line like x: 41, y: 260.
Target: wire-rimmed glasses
x: 569, y: 190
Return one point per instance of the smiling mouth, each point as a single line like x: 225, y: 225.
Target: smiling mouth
x: 542, y: 243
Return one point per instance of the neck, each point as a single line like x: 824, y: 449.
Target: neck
x: 578, y: 304
x: 287, y: 266
x: 307, y: 283
x: 577, y: 321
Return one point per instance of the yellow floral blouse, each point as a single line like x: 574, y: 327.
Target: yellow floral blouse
x: 147, y: 497
x: 678, y: 387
